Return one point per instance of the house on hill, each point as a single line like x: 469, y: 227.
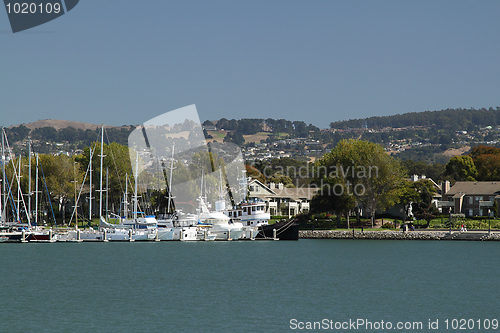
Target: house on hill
x: 470, y: 198
x: 281, y: 200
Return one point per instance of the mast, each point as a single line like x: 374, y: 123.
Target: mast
x: 201, y: 184
x: 136, y: 181
x: 36, y: 191
x: 29, y: 178
x: 170, y: 179
x: 4, y: 203
x: 1, y: 201
x: 107, y: 174
x: 158, y: 174
x: 19, y: 195
x: 90, y: 181
x: 76, y: 204
x: 100, y: 176
x: 125, y: 202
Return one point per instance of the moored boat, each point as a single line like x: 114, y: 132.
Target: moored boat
x: 285, y: 230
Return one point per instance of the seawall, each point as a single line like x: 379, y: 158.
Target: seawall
x: 399, y: 235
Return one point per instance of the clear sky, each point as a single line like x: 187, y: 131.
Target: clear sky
x: 123, y: 62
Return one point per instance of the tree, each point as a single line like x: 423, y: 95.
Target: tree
x: 461, y: 168
x: 279, y: 178
x: 424, y: 208
x: 364, y: 171
x: 487, y: 162
x: 254, y: 172
x: 327, y: 200
x: 60, y: 175
x: 235, y: 138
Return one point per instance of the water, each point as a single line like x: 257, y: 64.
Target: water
x: 244, y: 286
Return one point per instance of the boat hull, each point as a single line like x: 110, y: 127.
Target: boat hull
x: 12, y: 237
x: 287, y: 230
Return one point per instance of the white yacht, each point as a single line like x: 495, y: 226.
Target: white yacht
x: 140, y: 228
x: 219, y: 223
x: 252, y: 215
x: 183, y: 228
x: 75, y: 235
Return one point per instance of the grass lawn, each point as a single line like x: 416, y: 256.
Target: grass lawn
x: 256, y: 137
x: 482, y: 223
x: 217, y: 136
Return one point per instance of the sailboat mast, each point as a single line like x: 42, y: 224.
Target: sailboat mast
x: 29, y: 178
x: 4, y: 203
x: 100, y: 173
x: 136, y: 181
x: 201, y: 184
x: 170, y: 179
x: 107, y: 175
x: 90, y: 181
x: 76, y: 203
x: 36, y: 191
x: 19, y: 191
x: 125, y: 202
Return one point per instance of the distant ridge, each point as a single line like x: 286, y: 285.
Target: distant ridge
x: 456, y: 118
x: 60, y: 124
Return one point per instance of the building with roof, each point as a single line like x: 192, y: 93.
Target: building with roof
x: 470, y: 198
x: 281, y: 200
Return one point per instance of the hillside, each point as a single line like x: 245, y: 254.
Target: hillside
x: 60, y: 124
x: 431, y: 136
x: 456, y: 119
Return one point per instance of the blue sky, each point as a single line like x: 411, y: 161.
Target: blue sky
x: 123, y: 62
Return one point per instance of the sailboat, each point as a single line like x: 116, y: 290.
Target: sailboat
x: 177, y: 225
x: 140, y: 228
x: 90, y: 234
x: 14, y: 231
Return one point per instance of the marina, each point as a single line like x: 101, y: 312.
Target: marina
x: 148, y: 219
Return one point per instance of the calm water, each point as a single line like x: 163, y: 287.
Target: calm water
x: 244, y: 286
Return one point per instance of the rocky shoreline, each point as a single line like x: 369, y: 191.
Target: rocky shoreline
x: 398, y: 235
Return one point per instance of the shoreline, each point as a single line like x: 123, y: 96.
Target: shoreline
x: 399, y: 235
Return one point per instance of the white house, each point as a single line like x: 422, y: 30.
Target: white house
x: 282, y: 200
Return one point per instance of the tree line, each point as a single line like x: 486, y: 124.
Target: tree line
x: 481, y: 164
x: 456, y: 119
x: 70, y: 134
